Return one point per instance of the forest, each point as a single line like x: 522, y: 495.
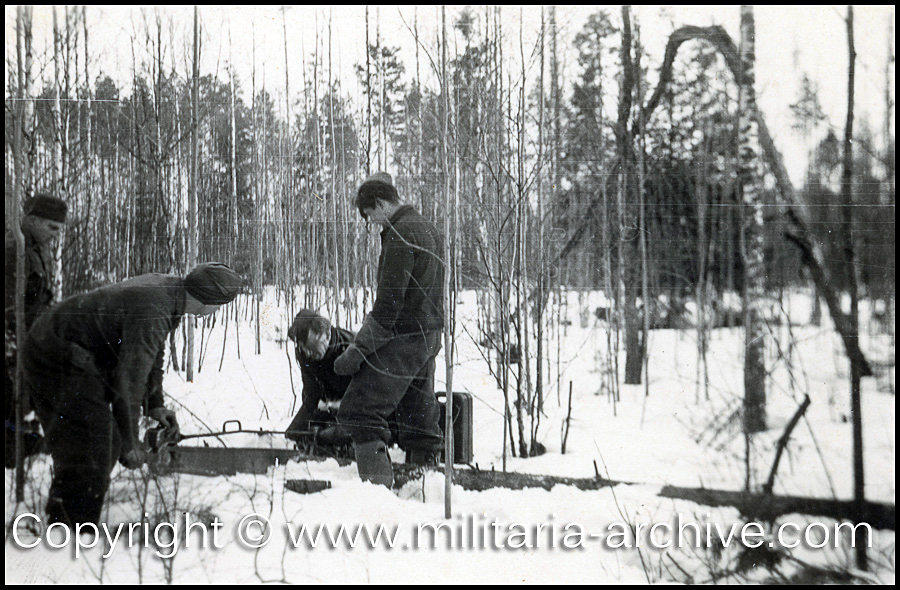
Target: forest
x: 580, y: 179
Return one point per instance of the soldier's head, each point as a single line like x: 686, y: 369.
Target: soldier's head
x: 311, y: 332
x: 209, y: 286
x: 377, y: 198
x: 45, y: 217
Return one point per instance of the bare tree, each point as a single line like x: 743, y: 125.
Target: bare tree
x: 797, y: 216
x: 448, y: 276
x: 58, y: 133
x: 751, y: 234
x: 859, y: 481
x: 642, y: 220
x: 22, y: 154
x: 627, y: 220
x: 194, y: 181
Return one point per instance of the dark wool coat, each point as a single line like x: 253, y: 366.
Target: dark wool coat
x: 397, y: 377
x: 38, y: 298
x: 121, y: 330
x: 410, y: 296
x: 38, y: 281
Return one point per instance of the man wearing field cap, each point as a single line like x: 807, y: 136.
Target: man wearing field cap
x: 94, y: 362
x: 44, y: 219
x: 392, y: 358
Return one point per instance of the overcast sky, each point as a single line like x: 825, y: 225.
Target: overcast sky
x: 791, y: 40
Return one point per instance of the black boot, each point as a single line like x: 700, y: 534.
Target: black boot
x: 374, y: 463
x: 422, y: 457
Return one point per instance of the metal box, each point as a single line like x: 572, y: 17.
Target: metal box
x: 463, y: 448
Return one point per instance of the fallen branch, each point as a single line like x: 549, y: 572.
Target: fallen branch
x: 782, y: 443
x: 766, y: 507
x: 761, y: 507
x: 567, y: 423
x: 474, y: 480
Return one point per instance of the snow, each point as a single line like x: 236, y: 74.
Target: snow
x: 676, y: 436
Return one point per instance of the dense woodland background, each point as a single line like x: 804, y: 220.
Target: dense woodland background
x: 641, y: 176
x: 276, y: 176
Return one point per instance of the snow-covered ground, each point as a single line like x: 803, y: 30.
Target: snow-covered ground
x: 677, y: 435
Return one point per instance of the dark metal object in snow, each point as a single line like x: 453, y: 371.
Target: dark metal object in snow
x: 463, y: 446
x: 158, y: 437
x: 167, y: 457
x: 307, y: 486
x: 218, y: 461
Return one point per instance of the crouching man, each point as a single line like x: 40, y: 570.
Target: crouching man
x: 316, y: 346
x: 94, y: 362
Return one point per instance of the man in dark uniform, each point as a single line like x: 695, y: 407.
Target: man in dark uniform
x: 94, y: 361
x: 44, y: 220
x: 392, y: 358
x: 317, y: 344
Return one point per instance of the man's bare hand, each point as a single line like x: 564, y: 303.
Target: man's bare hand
x: 165, y: 417
x: 134, y: 458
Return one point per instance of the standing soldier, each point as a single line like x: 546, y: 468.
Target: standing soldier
x: 94, y: 361
x: 44, y: 220
x: 392, y: 358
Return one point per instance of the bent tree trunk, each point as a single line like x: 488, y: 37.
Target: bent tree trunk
x: 798, y: 218
x: 798, y: 233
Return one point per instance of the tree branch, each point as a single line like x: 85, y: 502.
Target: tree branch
x: 782, y: 443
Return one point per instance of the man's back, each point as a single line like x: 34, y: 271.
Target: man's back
x: 136, y: 312
x: 410, y: 275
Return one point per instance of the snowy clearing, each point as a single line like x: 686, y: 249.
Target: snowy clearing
x: 675, y: 437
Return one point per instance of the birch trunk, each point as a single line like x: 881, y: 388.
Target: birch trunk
x: 192, y: 192
x: 751, y: 234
